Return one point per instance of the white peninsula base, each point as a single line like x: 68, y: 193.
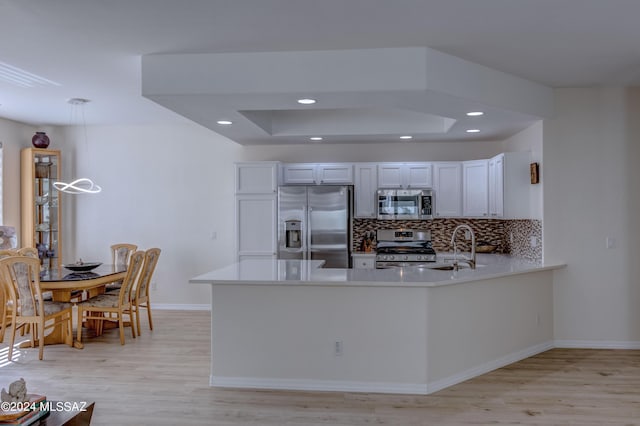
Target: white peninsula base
x: 362, y: 334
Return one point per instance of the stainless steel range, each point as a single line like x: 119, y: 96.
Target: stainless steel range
x: 403, y: 247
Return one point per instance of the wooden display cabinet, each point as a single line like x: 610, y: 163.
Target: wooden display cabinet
x: 41, y: 215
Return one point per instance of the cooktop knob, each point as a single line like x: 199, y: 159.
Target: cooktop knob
x: 392, y: 257
x: 406, y: 257
x: 419, y: 258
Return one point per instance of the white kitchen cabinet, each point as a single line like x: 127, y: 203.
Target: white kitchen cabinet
x: 447, y: 180
x: 496, y: 186
x: 256, y: 225
x: 362, y: 260
x: 510, y: 185
x: 336, y: 173
x: 317, y: 174
x: 405, y: 175
x: 475, y: 188
x: 304, y: 174
x: 419, y: 175
x: 256, y: 177
x: 256, y: 185
x: 365, y: 186
x: 390, y: 175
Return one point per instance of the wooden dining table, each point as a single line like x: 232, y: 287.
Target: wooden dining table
x: 62, y: 283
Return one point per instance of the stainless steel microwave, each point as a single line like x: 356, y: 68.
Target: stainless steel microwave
x: 405, y: 204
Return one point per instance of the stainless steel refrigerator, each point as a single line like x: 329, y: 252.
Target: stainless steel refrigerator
x: 314, y: 222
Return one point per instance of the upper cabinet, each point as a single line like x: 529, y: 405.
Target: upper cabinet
x: 494, y: 188
x: 475, y: 188
x: 317, y: 174
x: 447, y: 180
x: 365, y: 187
x: 497, y: 188
x: 405, y: 175
x: 337, y: 173
x: 41, y: 215
x: 257, y: 177
x: 510, y: 185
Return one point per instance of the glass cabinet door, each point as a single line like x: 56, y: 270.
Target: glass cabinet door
x: 41, y: 204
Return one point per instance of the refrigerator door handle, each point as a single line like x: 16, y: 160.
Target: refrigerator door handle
x: 308, y: 233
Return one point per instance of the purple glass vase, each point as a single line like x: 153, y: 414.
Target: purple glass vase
x: 40, y: 140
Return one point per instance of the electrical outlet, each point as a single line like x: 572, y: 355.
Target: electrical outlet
x: 610, y: 242
x: 534, y: 241
x: 337, y: 348
x: 467, y: 235
x: 154, y: 286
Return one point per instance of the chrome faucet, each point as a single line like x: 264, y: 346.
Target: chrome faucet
x: 471, y: 261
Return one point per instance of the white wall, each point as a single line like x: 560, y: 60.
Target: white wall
x: 530, y: 139
x: 590, y: 163
x: 162, y: 186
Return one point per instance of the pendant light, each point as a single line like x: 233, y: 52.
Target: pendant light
x: 81, y: 185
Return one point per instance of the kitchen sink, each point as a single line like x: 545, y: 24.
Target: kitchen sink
x: 441, y: 267
x: 449, y: 266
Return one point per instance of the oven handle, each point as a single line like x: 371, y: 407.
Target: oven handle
x: 390, y: 265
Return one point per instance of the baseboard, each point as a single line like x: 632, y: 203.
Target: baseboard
x: 177, y: 307
x: 487, y: 367
x: 411, y: 388
x: 596, y: 344
x: 318, y: 385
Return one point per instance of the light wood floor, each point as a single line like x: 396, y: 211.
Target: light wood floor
x: 161, y: 378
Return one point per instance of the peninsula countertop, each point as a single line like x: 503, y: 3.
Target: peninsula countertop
x: 311, y: 272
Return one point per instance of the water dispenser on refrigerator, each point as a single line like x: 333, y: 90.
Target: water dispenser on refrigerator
x: 293, y: 233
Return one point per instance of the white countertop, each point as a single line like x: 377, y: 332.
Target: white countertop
x: 310, y: 272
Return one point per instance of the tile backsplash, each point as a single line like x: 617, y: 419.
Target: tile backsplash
x: 510, y: 236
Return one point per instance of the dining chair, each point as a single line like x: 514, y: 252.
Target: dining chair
x: 111, y: 308
x: 140, y: 294
x: 21, y: 275
x: 33, y: 252
x: 28, y: 251
x: 6, y: 306
x: 120, y: 255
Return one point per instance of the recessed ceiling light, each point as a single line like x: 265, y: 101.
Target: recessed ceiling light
x: 475, y: 113
x: 315, y: 138
x: 473, y: 130
x: 406, y: 137
x: 224, y: 122
x: 306, y: 101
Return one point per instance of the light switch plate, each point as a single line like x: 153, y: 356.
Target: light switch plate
x: 610, y: 242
